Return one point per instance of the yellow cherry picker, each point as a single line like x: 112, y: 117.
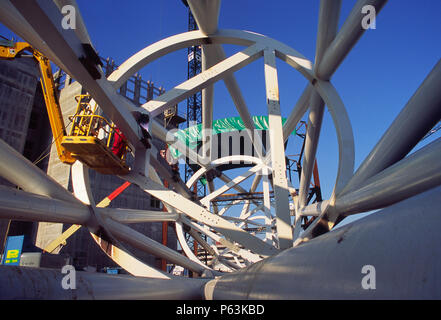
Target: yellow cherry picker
x: 92, y: 139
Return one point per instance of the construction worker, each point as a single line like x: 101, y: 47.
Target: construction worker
x: 119, y: 143
x: 162, y: 158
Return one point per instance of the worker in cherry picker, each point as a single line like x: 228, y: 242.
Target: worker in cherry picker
x: 119, y: 140
x: 167, y: 160
x: 119, y: 143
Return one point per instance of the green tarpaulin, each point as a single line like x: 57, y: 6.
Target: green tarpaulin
x: 191, y: 136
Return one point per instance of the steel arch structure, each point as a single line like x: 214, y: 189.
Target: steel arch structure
x: 382, y: 180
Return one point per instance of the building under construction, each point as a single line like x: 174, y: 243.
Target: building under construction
x: 25, y: 127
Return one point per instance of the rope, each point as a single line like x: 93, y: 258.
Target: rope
x: 42, y: 155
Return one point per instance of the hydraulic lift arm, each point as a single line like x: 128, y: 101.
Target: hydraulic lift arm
x: 10, y: 50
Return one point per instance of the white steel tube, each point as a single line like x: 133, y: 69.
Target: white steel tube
x: 18, y: 170
x: 277, y: 151
x: 207, y: 104
x: 39, y: 283
x: 327, y: 29
x: 410, y: 176
x: 297, y: 112
x: 347, y: 37
x: 333, y: 266
x: 20, y: 205
x: 206, y: 14
x: 142, y: 242
x: 420, y: 114
x: 80, y: 26
x: 127, y: 216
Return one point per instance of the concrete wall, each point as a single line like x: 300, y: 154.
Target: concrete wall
x: 23, y: 125
x: 18, y: 82
x: 47, y: 232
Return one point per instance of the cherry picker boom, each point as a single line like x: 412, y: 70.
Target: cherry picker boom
x: 92, y: 138
x: 10, y: 50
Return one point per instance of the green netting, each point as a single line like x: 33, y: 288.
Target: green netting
x: 191, y: 136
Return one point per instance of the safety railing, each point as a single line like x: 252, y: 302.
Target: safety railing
x: 86, y: 122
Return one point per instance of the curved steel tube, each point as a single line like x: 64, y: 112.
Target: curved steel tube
x: 330, y: 266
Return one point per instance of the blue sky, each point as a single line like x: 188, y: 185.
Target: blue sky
x: 375, y: 81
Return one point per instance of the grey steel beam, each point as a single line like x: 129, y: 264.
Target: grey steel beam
x: 20, y: 171
x: 347, y: 37
x: 237, y: 180
x: 314, y: 209
x: 336, y: 51
x: 25, y: 283
x: 332, y: 266
x: 211, y: 189
x: 208, y: 77
x: 419, y: 115
x: 244, y: 253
